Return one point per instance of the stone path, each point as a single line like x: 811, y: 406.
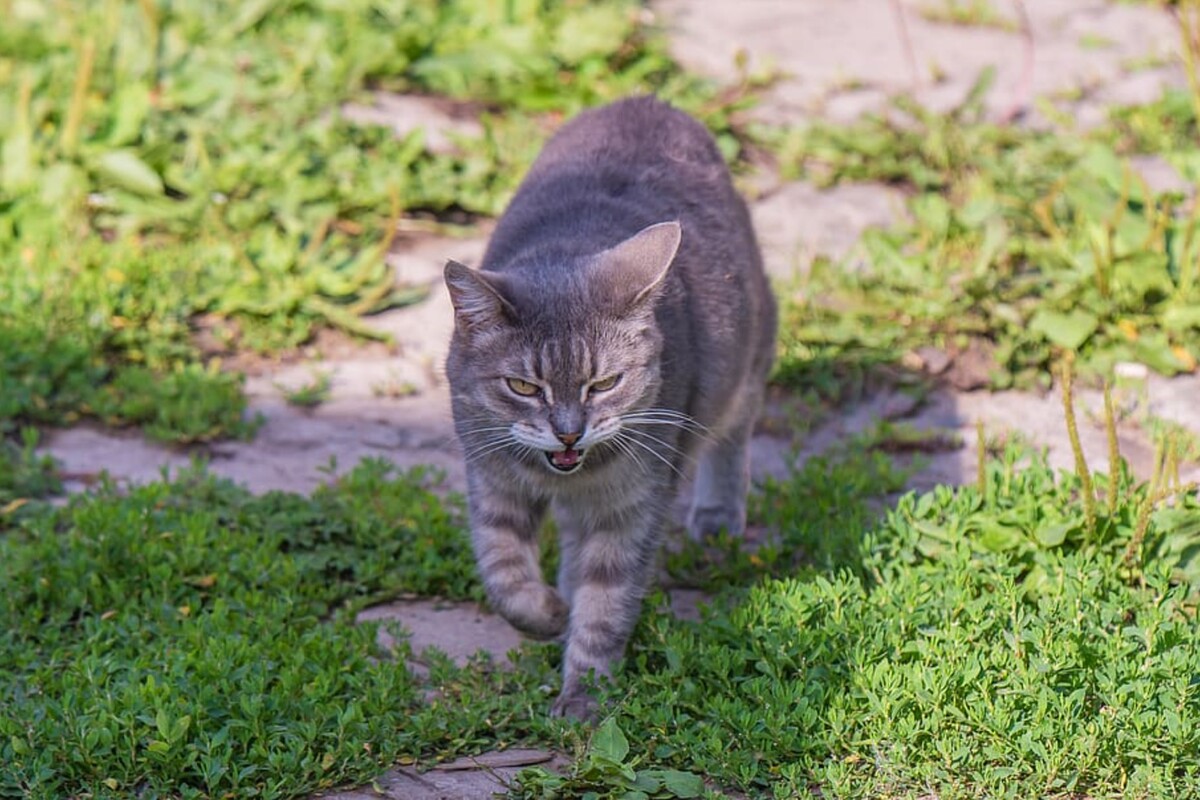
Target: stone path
x: 840, y: 58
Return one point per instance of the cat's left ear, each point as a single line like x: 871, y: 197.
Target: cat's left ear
x: 631, y: 271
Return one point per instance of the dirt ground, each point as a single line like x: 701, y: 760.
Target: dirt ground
x: 839, y: 59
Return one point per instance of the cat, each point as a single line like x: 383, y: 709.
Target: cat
x: 619, y: 333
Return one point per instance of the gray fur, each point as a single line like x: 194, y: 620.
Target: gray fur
x: 626, y: 252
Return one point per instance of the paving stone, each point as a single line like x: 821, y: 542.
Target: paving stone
x: 825, y: 49
x: 799, y: 222
x: 837, y: 58
x: 471, y: 778
x: 460, y: 630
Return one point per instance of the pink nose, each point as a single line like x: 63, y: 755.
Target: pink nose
x: 568, y: 439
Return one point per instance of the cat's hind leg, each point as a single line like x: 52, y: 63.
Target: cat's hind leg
x: 504, y: 533
x: 723, y: 473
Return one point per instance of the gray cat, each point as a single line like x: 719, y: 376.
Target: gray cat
x: 620, y: 333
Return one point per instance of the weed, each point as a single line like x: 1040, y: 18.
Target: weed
x: 974, y: 641
x: 170, y: 640
x: 977, y: 13
x: 1095, y: 41
x: 159, y: 162
x: 311, y: 394
x: 24, y: 477
x: 1185, y: 441
x: 394, y: 386
x: 607, y: 771
x: 945, y: 667
x: 1022, y: 245
x: 814, y: 518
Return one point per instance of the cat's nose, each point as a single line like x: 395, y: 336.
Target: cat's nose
x: 567, y: 423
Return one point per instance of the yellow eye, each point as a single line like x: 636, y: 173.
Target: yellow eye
x: 605, y: 385
x: 523, y: 388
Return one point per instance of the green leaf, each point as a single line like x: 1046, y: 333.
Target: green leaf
x: 609, y: 742
x: 1053, y: 535
x: 16, y: 153
x: 1143, y: 275
x: 1154, y: 350
x: 132, y: 103
x: 680, y: 784
x: 163, y: 723
x: 648, y: 781
x: 596, y: 30
x: 1069, y: 330
x: 996, y: 536
x: 124, y: 169
x: 1181, y: 317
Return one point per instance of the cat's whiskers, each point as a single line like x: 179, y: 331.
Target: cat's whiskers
x: 473, y: 457
x: 490, y: 444
x: 682, y: 420
x: 667, y: 416
x: 616, y: 440
x: 480, y: 417
x: 625, y: 437
x: 487, y: 431
x: 637, y: 426
x: 499, y: 432
x: 632, y: 429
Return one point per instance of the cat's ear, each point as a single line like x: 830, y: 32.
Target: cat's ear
x: 633, y: 269
x: 478, y: 299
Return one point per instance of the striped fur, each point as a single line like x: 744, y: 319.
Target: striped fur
x: 616, y: 340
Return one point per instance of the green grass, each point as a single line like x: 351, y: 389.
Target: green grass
x: 310, y: 394
x: 1022, y: 245
x: 972, y: 643
x: 172, y: 167
x: 983, y: 644
x: 24, y: 475
x: 189, y: 639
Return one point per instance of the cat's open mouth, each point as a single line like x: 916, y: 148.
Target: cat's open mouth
x: 565, y: 460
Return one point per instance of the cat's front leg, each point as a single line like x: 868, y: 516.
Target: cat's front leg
x: 612, y: 566
x: 504, y: 533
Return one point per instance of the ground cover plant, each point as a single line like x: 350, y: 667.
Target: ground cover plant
x: 1021, y: 245
x: 1031, y: 635
x: 1003, y: 639
x: 167, y: 168
x: 189, y: 639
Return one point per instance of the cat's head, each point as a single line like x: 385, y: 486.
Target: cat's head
x: 548, y: 365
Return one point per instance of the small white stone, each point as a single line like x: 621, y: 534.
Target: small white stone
x: 1131, y: 370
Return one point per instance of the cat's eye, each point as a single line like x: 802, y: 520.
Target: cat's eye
x: 604, y: 385
x: 523, y: 388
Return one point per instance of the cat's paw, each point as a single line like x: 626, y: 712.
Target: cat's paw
x: 576, y: 704
x: 707, y: 521
x: 538, y: 611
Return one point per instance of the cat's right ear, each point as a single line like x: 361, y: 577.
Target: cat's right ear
x: 478, y: 301
x: 631, y: 272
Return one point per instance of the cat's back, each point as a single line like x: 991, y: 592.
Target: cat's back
x: 631, y: 136
x: 613, y: 170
